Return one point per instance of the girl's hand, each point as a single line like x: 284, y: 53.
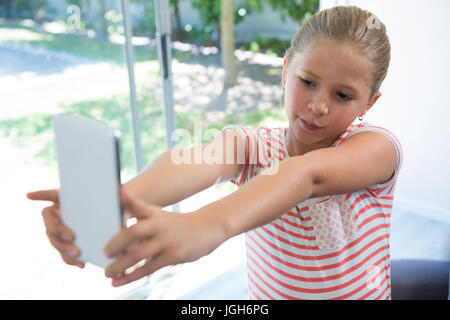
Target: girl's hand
x: 160, y: 238
x: 60, y: 236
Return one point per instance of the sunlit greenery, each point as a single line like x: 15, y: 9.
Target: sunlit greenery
x: 34, y: 130
x: 80, y: 45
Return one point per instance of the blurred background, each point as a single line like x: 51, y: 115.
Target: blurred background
x: 71, y: 56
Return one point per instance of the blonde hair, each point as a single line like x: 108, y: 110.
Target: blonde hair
x: 348, y: 25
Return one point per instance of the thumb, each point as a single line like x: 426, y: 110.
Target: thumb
x: 134, y: 206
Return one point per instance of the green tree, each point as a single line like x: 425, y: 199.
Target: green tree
x: 212, y: 18
x: 227, y: 43
x: 298, y: 10
x: 209, y: 10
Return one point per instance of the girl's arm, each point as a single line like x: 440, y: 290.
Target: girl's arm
x: 162, y: 183
x: 363, y: 160
x: 166, y: 238
x: 165, y: 182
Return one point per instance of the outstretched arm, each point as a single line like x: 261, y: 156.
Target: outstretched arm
x: 167, y: 181
x: 165, y: 238
x: 363, y: 160
x: 162, y: 183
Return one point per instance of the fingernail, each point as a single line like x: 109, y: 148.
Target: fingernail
x: 65, y: 236
x: 71, y: 252
x: 117, y: 282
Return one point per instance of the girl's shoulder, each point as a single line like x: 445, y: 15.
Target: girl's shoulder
x: 364, y: 127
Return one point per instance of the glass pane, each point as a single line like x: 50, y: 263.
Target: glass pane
x: 66, y: 57
x: 203, y: 101
x: 148, y: 80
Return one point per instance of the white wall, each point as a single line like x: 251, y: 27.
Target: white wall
x: 415, y: 102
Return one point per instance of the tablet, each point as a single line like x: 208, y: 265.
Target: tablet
x: 89, y: 172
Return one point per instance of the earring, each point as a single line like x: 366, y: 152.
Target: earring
x: 361, y: 118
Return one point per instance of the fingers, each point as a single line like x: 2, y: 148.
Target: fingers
x: 54, y: 225
x: 60, y: 236
x: 44, y: 195
x: 73, y: 262
x: 127, y: 219
x: 134, y: 206
x: 132, y: 245
x: 144, y: 228
x: 122, y: 240
x: 65, y: 247
x: 68, y: 251
x: 151, y: 266
x: 52, y: 219
x: 135, y: 253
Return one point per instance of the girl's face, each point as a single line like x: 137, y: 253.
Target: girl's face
x: 326, y: 88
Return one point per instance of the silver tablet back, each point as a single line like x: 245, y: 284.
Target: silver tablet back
x: 89, y: 172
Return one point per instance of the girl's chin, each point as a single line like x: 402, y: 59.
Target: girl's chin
x: 300, y: 128
x: 303, y: 135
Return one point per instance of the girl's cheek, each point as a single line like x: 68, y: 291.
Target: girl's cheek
x: 296, y: 97
x: 340, y: 121
x: 299, y: 101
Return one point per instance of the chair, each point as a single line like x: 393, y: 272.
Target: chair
x: 420, y: 279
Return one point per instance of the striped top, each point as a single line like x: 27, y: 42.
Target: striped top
x: 332, y: 247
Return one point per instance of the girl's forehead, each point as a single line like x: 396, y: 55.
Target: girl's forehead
x: 334, y: 61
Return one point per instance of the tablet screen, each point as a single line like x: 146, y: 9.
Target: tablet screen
x: 89, y: 172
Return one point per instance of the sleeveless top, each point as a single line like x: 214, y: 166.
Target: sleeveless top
x: 332, y: 247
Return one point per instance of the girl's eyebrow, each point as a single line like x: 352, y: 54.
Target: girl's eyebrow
x: 339, y: 85
x: 307, y: 71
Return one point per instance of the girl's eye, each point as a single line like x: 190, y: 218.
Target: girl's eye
x: 340, y: 94
x: 307, y: 82
x: 344, y: 96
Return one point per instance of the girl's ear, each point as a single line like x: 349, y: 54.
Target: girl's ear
x: 377, y: 96
x: 284, y: 71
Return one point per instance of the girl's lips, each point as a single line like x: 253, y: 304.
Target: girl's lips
x: 309, y: 125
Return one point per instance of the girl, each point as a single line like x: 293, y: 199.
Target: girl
x: 315, y: 198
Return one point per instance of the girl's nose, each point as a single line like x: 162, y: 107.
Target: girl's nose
x: 320, y: 108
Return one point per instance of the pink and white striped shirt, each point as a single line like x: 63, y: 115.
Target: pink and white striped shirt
x: 333, y: 247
